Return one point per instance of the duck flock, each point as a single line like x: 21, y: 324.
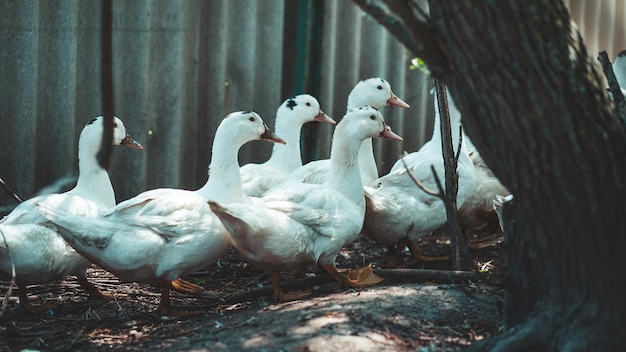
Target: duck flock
x: 280, y: 215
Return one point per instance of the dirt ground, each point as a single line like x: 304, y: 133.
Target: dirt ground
x: 404, y: 313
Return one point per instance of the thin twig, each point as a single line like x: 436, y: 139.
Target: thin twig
x: 463, y: 247
x: 450, y: 163
x: 426, y: 275
x: 417, y: 181
x: 12, y: 282
x: 395, y: 27
x: 614, y: 87
x: 11, y: 192
x: 442, y: 191
x: 119, y: 307
x: 390, y: 275
x: 80, y: 330
x: 459, y: 245
x: 450, y: 201
x: 458, y: 149
x: 417, y: 8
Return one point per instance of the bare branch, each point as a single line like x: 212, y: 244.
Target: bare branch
x: 417, y: 181
x: 442, y: 190
x: 450, y: 163
x: 614, y: 88
x: 419, y: 10
x: 12, y: 282
x: 455, y: 232
x: 408, y: 23
x: 11, y: 192
x: 390, y: 275
x: 395, y: 27
x: 422, y: 275
x: 106, y: 74
x: 458, y: 149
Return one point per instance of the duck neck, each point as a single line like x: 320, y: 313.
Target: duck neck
x: 344, y: 173
x: 286, y: 157
x: 455, y: 125
x: 93, y: 181
x: 224, y: 182
x: 367, y: 162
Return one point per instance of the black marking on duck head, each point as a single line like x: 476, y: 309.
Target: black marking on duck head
x: 96, y: 119
x: 291, y: 103
x: 237, y: 113
x: 622, y: 53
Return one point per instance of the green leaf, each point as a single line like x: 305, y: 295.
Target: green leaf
x: 419, y: 64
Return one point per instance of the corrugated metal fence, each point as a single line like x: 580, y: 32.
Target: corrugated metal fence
x: 181, y: 65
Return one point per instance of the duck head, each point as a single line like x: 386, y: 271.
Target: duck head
x: 303, y: 108
x: 375, y: 92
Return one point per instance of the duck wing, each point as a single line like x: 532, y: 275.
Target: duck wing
x: 27, y: 212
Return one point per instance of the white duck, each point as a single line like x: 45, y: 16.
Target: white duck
x: 398, y: 212
x: 477, y: 212
x: 39, y: 253
x: 162, y: 234
x: 291, y: 115
x: 375, y: 92
x: 295, y: 225
x: 498, y: 207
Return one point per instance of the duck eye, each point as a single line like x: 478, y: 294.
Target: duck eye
x: 379, y: 87
x: 251, y: 118
x: 308, y: 104
x: 372, y: 117
x: 114, y: 124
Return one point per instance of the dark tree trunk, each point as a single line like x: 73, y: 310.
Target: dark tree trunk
x: 533, y: 103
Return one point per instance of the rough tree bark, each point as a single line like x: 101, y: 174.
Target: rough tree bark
x: 533, y: 103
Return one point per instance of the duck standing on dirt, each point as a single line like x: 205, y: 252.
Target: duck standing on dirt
x: 162, y: 234
x: 398, y: 212
x: 32, y: 246
x: 295, y: 225
x: 477, y: 213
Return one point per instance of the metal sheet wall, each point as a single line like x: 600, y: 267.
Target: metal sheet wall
x: 181, y: 65
x: 357, y: 47
x: 602, y: 23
